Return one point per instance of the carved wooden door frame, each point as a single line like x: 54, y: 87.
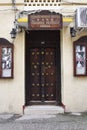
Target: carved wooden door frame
x: 45, y: 44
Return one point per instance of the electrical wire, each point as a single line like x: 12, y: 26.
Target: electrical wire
x: 14, y: 7
x: 77, y: 3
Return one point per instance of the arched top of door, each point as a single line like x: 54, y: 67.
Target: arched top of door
x: 4, y: 41
x: 82, y: 39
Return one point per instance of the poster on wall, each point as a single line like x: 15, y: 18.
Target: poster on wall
x: 80, y: 59
x: 6, y: 61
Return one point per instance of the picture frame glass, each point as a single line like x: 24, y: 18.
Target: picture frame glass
x: 6, y: 61
x: 80, y: 54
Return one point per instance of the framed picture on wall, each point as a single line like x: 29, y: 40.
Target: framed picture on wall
x: 80, y: 57
x: 6, y: 60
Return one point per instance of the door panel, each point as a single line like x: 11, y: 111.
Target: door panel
x: 34, y: 74
x: 42, y: 67
x: 50, y: 71
x: 43, y: 74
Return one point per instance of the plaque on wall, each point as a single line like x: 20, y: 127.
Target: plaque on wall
x: 45, y: 21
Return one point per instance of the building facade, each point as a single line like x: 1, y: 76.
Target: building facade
x: 45, y: 63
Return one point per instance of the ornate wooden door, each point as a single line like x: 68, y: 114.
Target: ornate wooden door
x: 43, y: 74
x: 42, y: 67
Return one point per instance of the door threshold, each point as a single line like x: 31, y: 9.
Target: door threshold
x: 43, y: 103
x: 43, y: 110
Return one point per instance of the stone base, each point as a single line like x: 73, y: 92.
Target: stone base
x: 44, y: 110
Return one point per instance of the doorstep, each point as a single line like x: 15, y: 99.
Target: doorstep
x: 43, y: 109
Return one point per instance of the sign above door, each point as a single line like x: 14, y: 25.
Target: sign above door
x: 45, y: 20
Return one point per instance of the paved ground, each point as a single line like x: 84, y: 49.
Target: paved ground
x: 44, y: 122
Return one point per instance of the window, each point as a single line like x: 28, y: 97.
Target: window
x: 6, y: 59
x: 80, y: 57
x: 42, y: 2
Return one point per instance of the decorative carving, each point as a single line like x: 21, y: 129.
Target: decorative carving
x: 45, y: 20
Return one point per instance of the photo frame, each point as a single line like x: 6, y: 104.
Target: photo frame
x: 6, y: 60
x: 80, y: 59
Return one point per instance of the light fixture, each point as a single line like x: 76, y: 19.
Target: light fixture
x: 73, y: 32
x: 13, y: 33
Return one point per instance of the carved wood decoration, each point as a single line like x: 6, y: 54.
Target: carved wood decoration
x: 45, y: 20
x: 43, y: 74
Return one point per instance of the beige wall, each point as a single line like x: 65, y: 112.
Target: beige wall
x: 12, y: 90
x: 9, y: 1
x: 74, y: 89
x: 81, y: 1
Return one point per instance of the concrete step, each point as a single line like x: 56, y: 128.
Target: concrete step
x: 44, y: 110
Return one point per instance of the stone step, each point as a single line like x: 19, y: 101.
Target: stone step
x: 38, y: 109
